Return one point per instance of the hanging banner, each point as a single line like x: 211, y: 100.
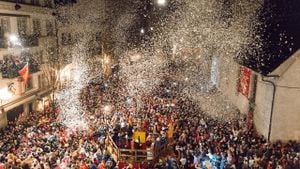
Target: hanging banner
x: 245, y: 77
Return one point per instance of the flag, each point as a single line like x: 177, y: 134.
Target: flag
x: 24, y: 73
x: 244, y: 87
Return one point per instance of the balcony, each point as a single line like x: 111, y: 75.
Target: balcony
x: 22, y: 41
x: 9, y: 68
x: 29, y: 40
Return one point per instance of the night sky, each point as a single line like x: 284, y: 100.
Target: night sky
x: 280, y: 33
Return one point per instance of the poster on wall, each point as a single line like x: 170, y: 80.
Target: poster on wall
x: 244, y: 86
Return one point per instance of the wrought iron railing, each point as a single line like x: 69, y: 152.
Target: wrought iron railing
x: 29, y: 40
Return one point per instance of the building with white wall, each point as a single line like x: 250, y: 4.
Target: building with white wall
x: 27, y: 34
x: 272, y: 100
x: 277, y: 111
x: 227, y: 77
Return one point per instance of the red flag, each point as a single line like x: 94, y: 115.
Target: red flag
x: 24, y: 73
x: 245, y: 78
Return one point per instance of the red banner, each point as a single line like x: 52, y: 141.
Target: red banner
x: 24, y: 73
x: 244, y: 87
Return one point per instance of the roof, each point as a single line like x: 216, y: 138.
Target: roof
x: 282, y: 68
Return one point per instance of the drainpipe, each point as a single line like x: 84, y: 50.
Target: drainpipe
x: 273, y: 100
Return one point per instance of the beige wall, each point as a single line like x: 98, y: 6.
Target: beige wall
x: 228, y: 84
x: 263, y: 101
x: 286, y: 113
x: 286, y: 120
x: 45, y: 43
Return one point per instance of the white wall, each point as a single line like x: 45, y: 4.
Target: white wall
x: 229, y: 83
x: 264, y: 94
x: 286, y: 113
x: 286, y: 120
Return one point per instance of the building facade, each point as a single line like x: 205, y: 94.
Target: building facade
x: 27, y: 36
x: 270, y: 101
x: 79, y: 34
x: 277, y: 110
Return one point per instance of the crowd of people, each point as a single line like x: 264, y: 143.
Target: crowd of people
x: 194, y: 140
x: 10, y: 65
x: 197, y: 140
x: 37, y: 141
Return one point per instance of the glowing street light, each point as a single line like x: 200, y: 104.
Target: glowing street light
x: 161, y: 2
x: 14, y: 40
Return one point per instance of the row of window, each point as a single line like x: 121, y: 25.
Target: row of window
x: 44, y: 3
x: 68, y: 38
x: 23, y: 26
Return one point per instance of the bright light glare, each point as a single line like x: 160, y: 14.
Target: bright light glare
x: 106, y: 60
x: 107, y: 108
x: 13, y: 38
x: 65, y: 73
x: 161, y: 2
x: 142, y: 31
x: 5, y: 94
x: 135, y: 57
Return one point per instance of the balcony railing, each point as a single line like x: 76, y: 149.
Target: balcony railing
x: 10, y: 69
x: 26, y: 41
x: 29, y: 40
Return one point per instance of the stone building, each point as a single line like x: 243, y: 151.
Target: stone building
x: 27, y: 35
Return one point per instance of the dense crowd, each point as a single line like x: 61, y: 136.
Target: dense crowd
x: 194, y: 140
x: 10, y: 65
x: 37, y: 141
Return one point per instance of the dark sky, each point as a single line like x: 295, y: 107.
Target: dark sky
x: 280, y: 30
x: 280, y: 33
